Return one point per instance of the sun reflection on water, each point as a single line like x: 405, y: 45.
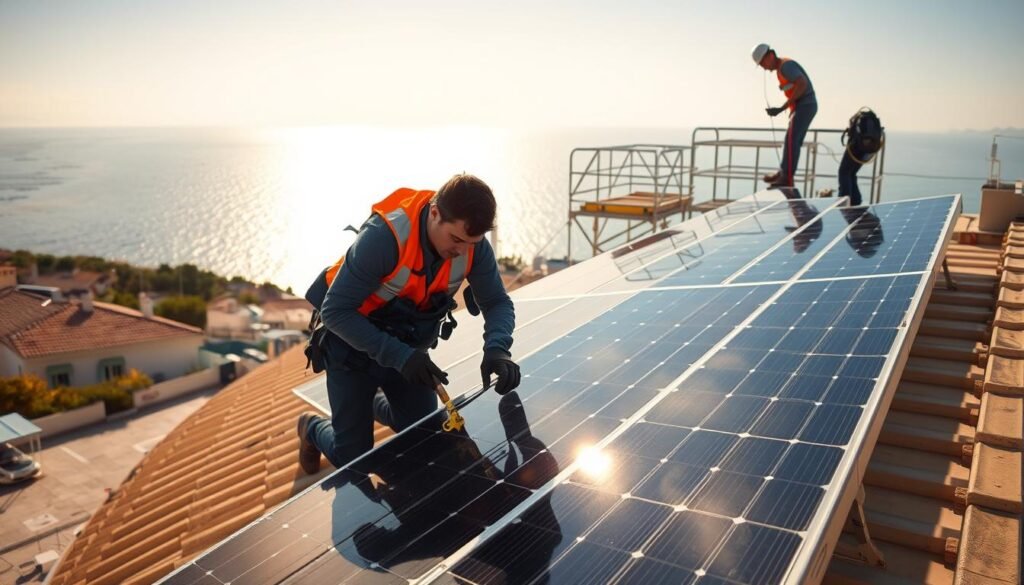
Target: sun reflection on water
x: 326, y: 178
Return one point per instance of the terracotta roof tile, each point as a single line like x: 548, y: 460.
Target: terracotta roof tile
x: 19, y: 310
x: 33, y: 330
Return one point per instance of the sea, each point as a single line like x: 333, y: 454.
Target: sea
x: 272, y: 204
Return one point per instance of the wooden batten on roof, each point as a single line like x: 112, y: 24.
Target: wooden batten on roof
x: 950, y: 446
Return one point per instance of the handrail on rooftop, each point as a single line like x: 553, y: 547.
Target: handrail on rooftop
x: 808, y: 171
x: 645, y: 184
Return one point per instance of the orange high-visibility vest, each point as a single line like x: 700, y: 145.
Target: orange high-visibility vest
x: 401, y: 212
x: 783, y: 82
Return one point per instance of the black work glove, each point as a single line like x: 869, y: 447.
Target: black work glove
x: 499, y: 363
x: 418, y: 369
x: 775, y: 111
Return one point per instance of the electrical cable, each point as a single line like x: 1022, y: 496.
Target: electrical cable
x: 771, y: 119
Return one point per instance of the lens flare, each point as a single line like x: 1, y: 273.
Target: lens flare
x: 594, y: 462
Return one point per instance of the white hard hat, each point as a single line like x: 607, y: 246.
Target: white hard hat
x: 759, y: 52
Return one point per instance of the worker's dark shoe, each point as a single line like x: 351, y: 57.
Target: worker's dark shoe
x: 309, y: 455
x: 772, y: 177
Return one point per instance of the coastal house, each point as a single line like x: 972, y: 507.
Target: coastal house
x: 80, y: 342
x: 287, y: 313
x: 226, y: 317
x: 8, y: 276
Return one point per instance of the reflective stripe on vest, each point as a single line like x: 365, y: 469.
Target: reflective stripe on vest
x: 390, y: 288
x: 401, y: 224
x: 458, y: 273
x: 401, y: 212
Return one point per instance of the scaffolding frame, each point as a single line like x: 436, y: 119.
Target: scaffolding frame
x: 641, y: 184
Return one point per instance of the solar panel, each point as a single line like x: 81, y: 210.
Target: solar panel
x: 699, y: 428
x: 315, y: 393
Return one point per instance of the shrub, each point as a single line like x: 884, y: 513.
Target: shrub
x: 28, y: 395
x: 186, y: 309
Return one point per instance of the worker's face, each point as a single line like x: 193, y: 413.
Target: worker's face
x: 449, y: 238
x: 768, y: 61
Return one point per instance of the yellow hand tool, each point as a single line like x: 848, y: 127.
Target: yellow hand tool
x: 455, y: 421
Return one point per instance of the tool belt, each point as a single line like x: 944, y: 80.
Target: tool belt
x: 399, y: 318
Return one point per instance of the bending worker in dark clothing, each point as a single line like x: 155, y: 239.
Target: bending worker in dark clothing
x: 802, y: 106
x: 387, y: 302
x: 853, y: 159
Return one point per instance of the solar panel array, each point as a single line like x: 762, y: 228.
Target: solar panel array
x: 690, y: 421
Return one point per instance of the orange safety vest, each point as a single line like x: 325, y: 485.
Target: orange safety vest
x: 783, y: 82
x: 401, y: 212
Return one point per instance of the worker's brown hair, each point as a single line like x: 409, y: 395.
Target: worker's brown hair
x: 468, y: 198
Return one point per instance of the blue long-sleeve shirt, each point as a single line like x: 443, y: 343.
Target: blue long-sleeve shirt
x: 371, y: 258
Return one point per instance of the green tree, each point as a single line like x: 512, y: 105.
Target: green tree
x: 248, y: 298
x: 93, y: 263
x: 23, y: 258
x: 125, y: 299
x: 65, y: 264
x: 45, y: 262
x: 189, y: 309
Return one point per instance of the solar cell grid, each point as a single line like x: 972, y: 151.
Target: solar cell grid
x: 811, y: 232
x: 773, y: 502
x: 887, y: 239
x: 749, y: 400
x: 729, y: 250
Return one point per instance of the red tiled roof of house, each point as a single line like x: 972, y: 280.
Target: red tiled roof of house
x: 231, y: 462
x: 19, y: 311
x: 33, y: 328
x: 68, y: 281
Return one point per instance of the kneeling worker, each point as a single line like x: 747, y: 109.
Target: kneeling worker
x: 386, y: 303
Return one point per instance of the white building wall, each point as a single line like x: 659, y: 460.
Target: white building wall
x: 10, y: 363
x: 219, y: 322
x: 162, y: 359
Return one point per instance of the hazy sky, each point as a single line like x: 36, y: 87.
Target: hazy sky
x: 926, y: 65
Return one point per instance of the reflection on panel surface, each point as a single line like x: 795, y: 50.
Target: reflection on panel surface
x: 724, y: 414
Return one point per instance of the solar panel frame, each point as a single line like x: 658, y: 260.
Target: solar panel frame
x: 463, y: 373
x: 812, y: 555
x: 812, y: 559
x: 839, y: 501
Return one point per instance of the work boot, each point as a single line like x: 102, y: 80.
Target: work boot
x: 309, y: 455
x: 772, y: 177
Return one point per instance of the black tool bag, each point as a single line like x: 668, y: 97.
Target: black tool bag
x: 399, y: 317
x: 317, y: 332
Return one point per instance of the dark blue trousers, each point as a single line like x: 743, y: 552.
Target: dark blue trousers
x: 355, y: 404
x: 848, y: 175
x: 799, y: 123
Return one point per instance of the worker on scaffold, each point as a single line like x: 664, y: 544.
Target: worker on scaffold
x: 802, y: 106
